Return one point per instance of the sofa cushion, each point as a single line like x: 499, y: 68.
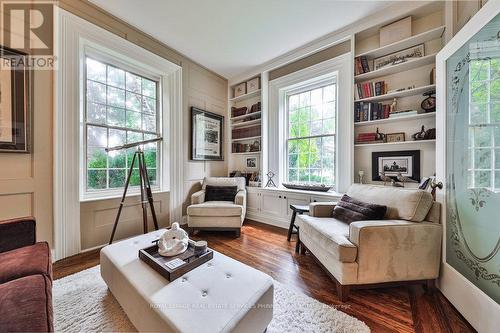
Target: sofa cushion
x: 331, y: 235
x: 402, y: 204
x: 349, y: 210
x: 24, y: 261
x: 220, y: 193
x: 215, y: 208
x: 26, y: 305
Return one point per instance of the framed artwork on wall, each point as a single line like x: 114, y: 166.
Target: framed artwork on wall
x: 391, y: 163
x: 15, y: 103
x: 207, y: 135
x: 252, y: 163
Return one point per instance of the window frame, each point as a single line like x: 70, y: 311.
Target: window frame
x: 137, y: 69
x: 298, y: 89
x: 488, y: 123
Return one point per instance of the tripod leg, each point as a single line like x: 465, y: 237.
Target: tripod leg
x: 123, y: 200
x: 143, y: 202
x: 150, y: 196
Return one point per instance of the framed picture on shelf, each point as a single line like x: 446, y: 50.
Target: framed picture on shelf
x: 399, y: 57
x: 207, y: 135
x: 391, y: 163
x: 15, y: 103
x: 252, y: 163
x: 395, y: 137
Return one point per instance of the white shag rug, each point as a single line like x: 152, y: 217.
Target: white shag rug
x: 82, y: 303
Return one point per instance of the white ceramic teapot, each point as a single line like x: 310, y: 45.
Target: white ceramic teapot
x: 173, y: 242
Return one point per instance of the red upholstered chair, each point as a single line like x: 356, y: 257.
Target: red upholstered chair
x: 25, y: 278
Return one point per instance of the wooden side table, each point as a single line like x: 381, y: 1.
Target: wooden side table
x: 293, y: 229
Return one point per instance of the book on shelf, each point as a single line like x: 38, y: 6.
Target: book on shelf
x: 368, y: 138
x: 370, y: 89
x: 368, y: 111
x: 361, y: 65
x: 402, y: 114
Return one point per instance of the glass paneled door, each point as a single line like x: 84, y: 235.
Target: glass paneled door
x: 472, y: 157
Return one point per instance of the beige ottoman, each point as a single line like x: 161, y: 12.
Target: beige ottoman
x: 222, y: 295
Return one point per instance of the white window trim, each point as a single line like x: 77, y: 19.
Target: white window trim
x: 74, y: 36
x: 339, y: 68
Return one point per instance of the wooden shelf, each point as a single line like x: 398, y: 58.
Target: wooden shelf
x: 247, y: 139
x: 246, y: 116
x: 419, y: 62
x: 403, y: 93
x: 391, y: 120
x: 393, y: 143
x: 405, y: 43
x: 247, y: 153
x: 246, y: 96
x: 246, y: 123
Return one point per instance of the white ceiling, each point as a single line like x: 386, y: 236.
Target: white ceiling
x: 232, y: 36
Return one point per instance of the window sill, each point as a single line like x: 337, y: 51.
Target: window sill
x: 99, y: 196
x: 331, y: 193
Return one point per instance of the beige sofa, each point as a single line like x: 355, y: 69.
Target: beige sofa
x: 405, y: 246
x: 218, y: 215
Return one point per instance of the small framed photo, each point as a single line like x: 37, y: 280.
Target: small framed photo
x: 395, y: 137
x: 240, y: 89
x: 392, y: 163
x: 253, y: 85
x: 399, y: 57
x: 252, y: 163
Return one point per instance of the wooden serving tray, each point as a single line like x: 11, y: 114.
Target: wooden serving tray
x: 157, y: 262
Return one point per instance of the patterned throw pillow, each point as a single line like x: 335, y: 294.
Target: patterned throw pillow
x: 220, y: 193
x: 350, y: 210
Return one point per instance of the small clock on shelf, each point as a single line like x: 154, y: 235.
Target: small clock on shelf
x: 429, y: 103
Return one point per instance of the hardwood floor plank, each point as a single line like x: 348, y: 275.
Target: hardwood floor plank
x: 399, y: 309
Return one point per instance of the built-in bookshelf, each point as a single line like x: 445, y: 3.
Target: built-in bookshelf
x: 379, y: 94
x: 245, y: 123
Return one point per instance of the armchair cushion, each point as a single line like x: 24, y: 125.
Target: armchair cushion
x: 220, y: 193
x: 16, y: 233
x: 330, y: 234
x: 25, y: 261
x: 240, y: 182
x: 349, y: 210
x: 402, y: 204
x: 215, y: 208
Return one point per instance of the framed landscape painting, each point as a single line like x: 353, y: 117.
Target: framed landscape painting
x: 15, y: 104
x: 207, y: 135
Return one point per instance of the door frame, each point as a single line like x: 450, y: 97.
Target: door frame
x: 482, y: 312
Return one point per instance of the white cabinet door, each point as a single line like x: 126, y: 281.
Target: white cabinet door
x: 302, y: 200
x: 273, y: 204
x: 322, y: 199
x: 253, y: 202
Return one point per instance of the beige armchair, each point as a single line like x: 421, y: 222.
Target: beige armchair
x: 405, y: 246
x: 218, y: 215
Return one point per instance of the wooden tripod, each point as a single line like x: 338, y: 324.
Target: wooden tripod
x: 146, y: 194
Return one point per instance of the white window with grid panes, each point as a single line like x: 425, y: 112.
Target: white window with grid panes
x: 120, y: 107
x: 484, y: 124
x: 310, y: 142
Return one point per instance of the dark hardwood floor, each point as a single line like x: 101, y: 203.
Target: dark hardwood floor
x: 396, y: 309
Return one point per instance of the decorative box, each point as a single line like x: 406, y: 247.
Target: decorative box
x: 253, y: 85
x: 240, y: 89
x: 395, y: 31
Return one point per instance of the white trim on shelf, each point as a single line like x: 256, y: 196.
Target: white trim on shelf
x: 393, y: 143
x: 249, y: 123
x: 247, y: 153
x: 402, y: 93
x: 245, y: 115
x: 245, y: 96
x: 247, y: 139
x: 401, y: 118
x: 411, y: 64
x: 405, y: 43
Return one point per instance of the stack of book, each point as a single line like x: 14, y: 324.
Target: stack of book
x: 403, y: 113
x: 247, y: 132
x: 370, y: 89
x: 370, y: 111
x: 361, y: 65
x: 367, y: 138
